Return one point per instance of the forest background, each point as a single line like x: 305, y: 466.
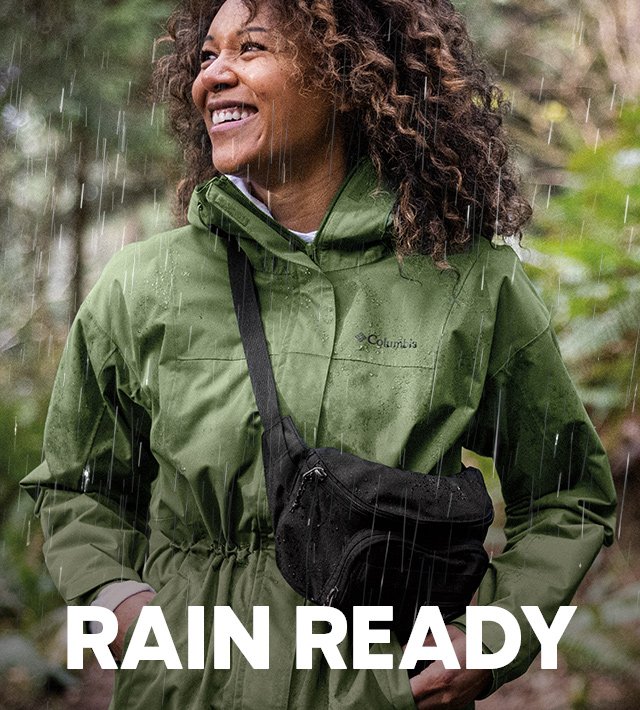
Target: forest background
x: 86, y: 166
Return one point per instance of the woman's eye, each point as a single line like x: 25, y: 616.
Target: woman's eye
x: 251, y: 47
x: 206, y: 55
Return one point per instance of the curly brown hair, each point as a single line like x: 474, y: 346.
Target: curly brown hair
x: 420, y: 103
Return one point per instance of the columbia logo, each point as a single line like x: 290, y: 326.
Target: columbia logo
x: 382, y: 342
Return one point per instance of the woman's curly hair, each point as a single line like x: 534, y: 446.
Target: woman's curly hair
x: 419, y: 102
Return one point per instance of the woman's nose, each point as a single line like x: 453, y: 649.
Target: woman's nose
x: 219, y: 74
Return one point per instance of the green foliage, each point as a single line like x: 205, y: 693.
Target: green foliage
x: 26, y: 589
x: 603, y: 637
x: 586, y: 257
x: 20, y: 446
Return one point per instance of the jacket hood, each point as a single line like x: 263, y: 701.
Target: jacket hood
x: 353, y: 231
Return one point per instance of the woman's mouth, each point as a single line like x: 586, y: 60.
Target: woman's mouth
x: 226, y: 117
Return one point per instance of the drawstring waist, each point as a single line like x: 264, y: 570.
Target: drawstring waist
x: 206, y: 548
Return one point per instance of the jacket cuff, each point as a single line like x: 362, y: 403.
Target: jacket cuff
x: 112, y: 595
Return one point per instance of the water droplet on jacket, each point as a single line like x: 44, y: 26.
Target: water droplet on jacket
x: 86, y: 475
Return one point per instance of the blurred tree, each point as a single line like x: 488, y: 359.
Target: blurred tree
x: 81, y: 146
x: 80, y: 143
x: 569, y: 66
x: 79, y: 138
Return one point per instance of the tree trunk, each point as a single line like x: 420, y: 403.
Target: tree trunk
x: 78, y: 224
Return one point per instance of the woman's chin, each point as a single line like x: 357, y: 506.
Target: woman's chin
x: 232, y: 165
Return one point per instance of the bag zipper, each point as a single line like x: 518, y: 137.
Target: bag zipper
x: 315, y: 472
x: 375, y: 511
x: 337, y: 578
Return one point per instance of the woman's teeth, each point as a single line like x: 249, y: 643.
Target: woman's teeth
x: 232, y: 114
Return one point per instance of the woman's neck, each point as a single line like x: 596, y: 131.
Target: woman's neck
x: 301, y: 201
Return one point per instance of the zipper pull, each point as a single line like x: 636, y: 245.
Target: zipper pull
x: 316, y: 471
x: 331, y: 596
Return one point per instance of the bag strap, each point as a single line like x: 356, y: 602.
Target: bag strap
x: 245, y: 304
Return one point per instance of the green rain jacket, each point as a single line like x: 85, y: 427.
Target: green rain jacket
x: 153, y: 468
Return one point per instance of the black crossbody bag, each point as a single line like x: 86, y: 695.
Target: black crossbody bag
x: 354, y: 532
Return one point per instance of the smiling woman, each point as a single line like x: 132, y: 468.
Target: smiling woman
x: 407, y: 91
x: 345, y: 162
x: 264, y: 124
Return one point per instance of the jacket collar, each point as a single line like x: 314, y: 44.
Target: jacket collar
x: 353, y: 230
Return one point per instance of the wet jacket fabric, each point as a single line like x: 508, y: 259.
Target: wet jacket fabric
x: 153, y: 468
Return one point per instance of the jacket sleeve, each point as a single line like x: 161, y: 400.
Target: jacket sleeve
x: 555, y: 477
x: 92, y: 490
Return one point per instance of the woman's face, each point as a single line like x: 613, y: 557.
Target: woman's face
x: 261, y: 122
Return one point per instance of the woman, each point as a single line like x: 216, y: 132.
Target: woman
x: 355, y: 151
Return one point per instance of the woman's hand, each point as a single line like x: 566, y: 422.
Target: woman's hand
x: 126, y: 613
x: 438, y: 688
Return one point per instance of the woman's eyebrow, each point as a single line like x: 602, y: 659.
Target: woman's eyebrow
x: 210, y: 38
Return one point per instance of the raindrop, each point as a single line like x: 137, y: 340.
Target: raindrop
x: 626, y: 210
x: 624, y: 493
x: 86, y: 475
